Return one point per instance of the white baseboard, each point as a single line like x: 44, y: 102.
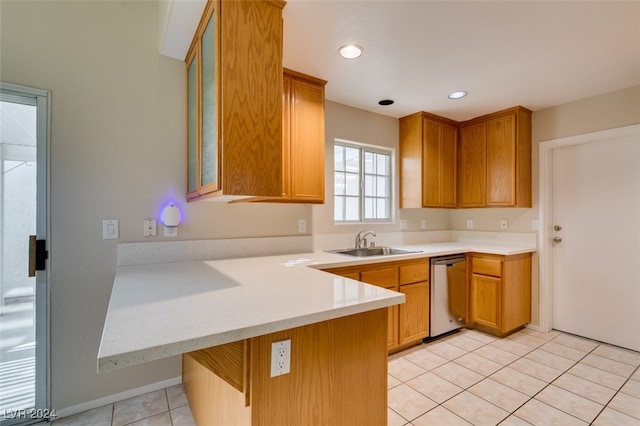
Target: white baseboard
x: 90, y: 405
x: 535, y: 327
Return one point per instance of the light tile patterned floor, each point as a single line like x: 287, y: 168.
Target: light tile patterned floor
x: 527, y: 378
x: 466, y: 378
x: 166, y: 407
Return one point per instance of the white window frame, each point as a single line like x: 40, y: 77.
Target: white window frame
x: 364, y: 148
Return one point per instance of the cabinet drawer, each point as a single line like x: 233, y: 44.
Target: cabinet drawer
x: 487, y: 266
x: 414, y: 273
x: 383, y: 277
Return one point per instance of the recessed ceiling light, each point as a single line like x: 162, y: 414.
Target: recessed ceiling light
x: 457, y: 95
x: 385, y: 102
x: 350, y: 51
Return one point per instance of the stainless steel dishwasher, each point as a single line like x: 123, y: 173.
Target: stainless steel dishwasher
x: 448, y: 301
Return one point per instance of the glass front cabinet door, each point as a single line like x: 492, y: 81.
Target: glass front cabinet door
x: 202, y: 119
x: 234, y: 101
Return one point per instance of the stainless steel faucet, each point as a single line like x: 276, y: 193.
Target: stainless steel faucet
x: 361, y: 238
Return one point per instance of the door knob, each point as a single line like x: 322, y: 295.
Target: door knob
x: 557, y: 228
x: 557, y: 240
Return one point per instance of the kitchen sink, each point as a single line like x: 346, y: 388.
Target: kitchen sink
x: 372, y: 251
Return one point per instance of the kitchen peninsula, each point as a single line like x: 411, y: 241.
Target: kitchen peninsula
x: 224, y: 315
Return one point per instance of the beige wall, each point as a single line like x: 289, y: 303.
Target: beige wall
x: 607, y: 111
x: 117, y: 151
x: 356, y: 125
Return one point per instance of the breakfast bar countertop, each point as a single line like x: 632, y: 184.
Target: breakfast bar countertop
x: 166, y: 309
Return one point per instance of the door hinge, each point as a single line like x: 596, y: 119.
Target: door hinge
x: 38, y: 255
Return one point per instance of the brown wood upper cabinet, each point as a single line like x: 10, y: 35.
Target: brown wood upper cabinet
x: 428, y: 169
x: 483, y: 162
x: 302, y: 138
x: 234, y: 101
x: 495, y: 160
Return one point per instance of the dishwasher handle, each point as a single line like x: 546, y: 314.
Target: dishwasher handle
x: 448, y: 261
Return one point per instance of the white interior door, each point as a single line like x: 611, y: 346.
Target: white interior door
x: 595, y: 226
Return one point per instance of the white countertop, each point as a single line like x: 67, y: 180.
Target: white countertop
x: 166, y: 309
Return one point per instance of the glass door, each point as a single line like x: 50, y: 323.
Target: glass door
x: 24, y: 130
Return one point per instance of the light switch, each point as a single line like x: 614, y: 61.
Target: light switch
x: 110, y: 229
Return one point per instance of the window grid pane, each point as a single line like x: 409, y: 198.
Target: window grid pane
x: 352, y: 186
x: 352, y: 159
x: 338, y: 156
x: 362, y: 184
x: 377, y: 186
x: 352, y: 208
x: 346, y: 183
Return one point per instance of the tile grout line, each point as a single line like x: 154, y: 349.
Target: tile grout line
x: 616, y: 394
x: 533, y: 348
x: 550, y: 383
x: 463, y: 389
x: 484, y: 344
x: 616, y: 391
x: 566, y: 371
x: 427, y: 371
x: 166, y: 396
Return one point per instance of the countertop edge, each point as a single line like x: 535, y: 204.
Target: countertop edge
x: 113, y: 362
x: 315, y: 260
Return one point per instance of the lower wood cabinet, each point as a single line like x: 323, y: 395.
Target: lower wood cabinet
x: 413, y: 319
x: 500, y: 292
x: 485, y: 301
x: 338, y: 377
x: 408, y: 323
x: 385, y: 277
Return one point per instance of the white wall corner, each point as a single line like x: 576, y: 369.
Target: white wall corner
x: 177, y: 23
x: 164, y: 11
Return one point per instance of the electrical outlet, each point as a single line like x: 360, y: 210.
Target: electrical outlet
x: 469, y: 223
x: 423, y: 223
x: 403, y: 223
x: 170, y: 231
x: 504, y: 224
x: 535, y: 224
x: 149, y: 227
x: 302, y: 226
x: 280, y: 357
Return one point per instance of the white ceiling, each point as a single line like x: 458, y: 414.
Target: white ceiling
x: 531, y: 53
